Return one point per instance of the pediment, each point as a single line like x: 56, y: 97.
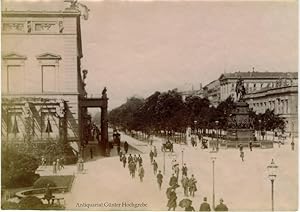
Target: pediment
x: 48, y: 56
x: 13, y: 56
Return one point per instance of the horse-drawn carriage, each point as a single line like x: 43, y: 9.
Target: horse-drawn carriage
x: 168, y: 146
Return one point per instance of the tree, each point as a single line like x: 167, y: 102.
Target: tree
x: 18, y: 169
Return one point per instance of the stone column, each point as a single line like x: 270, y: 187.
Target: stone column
x: 104, y: 126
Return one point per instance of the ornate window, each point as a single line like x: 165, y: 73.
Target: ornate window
x: 13, y: 73
x: 49, y: 66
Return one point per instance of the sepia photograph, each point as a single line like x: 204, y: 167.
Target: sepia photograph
x: 145, y: 105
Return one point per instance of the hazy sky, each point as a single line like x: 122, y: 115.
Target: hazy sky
x: 136, y: 48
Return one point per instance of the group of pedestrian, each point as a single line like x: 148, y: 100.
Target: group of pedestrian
x: 133, y: 162
x: 58, y: 165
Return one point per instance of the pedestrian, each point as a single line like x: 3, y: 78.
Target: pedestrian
x: 43, y: 161
x: 221, y: 206
x: 91, y: 152
x: 173, y: 181
x: 241, y: 147
x: 140, y: 160
x: 185, y: 185
x: 121, y: 156
x: 130, y: 158
x: 155, y: 167
x: 133, y: 169
x: 159, y: 179
x: 62, y: 162
x: 57, y: 164
x: 250, y: 145
x: 141, y: 173
x: 204, y: 206
x: 135, y: 158
x: 126, y: 147
x: 151, y: 154
x: 172, y: 198
x: 176, y: 170
x: 124, y: 161
x: 54, y: 167
x: 293, y: 145
x: 184, y: 170
x: 192, y: 186
x: 155, y: 151
x: 242, y: 155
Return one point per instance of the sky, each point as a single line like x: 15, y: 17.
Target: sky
x: 136, y: 48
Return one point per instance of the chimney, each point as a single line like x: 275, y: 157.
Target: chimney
x: 200, y: 86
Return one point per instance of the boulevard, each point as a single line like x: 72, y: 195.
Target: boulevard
x: 243, y: 185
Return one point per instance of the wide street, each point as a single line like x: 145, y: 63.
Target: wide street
x: 242, y: 185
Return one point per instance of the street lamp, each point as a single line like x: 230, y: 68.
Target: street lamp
x: 272, y: 170
x: 195, y: 129
x: 182, y: 151
x: 213, y: 159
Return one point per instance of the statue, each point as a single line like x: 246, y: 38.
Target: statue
x: 240, y: 89
x: 104, y: 95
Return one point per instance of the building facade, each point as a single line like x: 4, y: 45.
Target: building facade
x: 212, y: 92
x: 283, y: 100
x: 42, y: 82
x: 254, y: 81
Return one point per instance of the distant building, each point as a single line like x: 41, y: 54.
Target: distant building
x: 191, y: 92
x: 254, y: 81
x: 276, y: 91
x: 212, y: 92
x: 282, y: 99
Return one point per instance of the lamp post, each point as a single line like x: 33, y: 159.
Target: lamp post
x: 272, y: 170
x: 213, y: 159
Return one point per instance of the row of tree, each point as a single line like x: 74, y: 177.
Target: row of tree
x: 169, y: 112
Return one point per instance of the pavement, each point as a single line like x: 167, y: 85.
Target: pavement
x: 106, y: 185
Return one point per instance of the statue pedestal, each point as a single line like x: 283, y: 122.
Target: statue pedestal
x: 239, y: 131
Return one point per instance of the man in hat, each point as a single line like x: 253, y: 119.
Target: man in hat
x: 126, y: 147
x: 221, y: 206
x: 172, y: 197
x: 204, y: 206
x: 184, y: 170
x: 155, y: 167
x: 159, y: 179
x: 173, y: 180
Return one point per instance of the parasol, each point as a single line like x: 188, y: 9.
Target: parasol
x: 184, y: 203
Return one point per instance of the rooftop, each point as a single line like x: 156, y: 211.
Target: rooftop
x: 259, y: 75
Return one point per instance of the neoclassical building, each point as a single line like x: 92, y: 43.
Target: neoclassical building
x: 254, y: 81
x: 283, y: 99
x: 276, y: 91
x: 43, y: 88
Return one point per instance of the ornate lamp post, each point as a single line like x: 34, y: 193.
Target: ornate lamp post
x: 272, y: 170
x: 213, y: 159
